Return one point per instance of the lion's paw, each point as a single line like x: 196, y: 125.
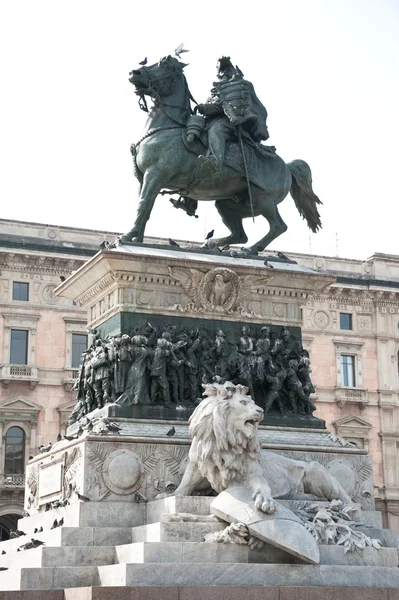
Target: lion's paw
x: 264, y: 503
x: 162, y: 495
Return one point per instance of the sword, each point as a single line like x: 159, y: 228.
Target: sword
x: 246, y: 172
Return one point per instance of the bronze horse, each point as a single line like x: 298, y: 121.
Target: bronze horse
x: 162, y: 162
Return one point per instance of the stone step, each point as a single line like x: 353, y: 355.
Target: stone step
x: 199, y: 573
x: 181, y: 552
x: 244, y: 574
x: 47, y: 578
x: 200, y: 552
x: 66, y: 556
x: 88, y: 514
x: 73, y: 536
x: 388, y: 537
x: 174, y: 531
x: 198, y: 505
x: 334, y: 555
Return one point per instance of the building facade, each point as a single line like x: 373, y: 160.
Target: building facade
x: 351, y: 331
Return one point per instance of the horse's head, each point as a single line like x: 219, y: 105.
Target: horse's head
x: 157, y: 80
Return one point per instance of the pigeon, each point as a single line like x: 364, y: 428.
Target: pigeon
x: 170, y: 487
x: 143, y: 62
x: 27, y: 546
x: 171, y: 432
x: 59, y: 437
x: 47, y: 506
x: 211, y: 245
x: 3, y: 552
x: 83, y: 498
x: 30, y: 458
x: 282, y: 256
x: 47, y: 448
x: 209, y: 234
x: 268, y: 265
x: 179, y: 50
x: 16, y: 533
x: 55, y: 524
x: 233, y: 253
x: 37, y: 543
x: 61, y: 522
x: 173, y: 243
x: 70, y: 437
x: 40, y: 530
x: 64, y: 502
x: 35, y: 530
x: 25, y: 513
x: 80, y: 431
x: 3, y: 568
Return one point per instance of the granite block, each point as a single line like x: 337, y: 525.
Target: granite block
x: 65, y: 577
x: 126, y: 593
x: 214, y: 553
x: 111, y: 536
x: 37, y: 579
x: 198, y: 505
x: 334, y: 555
x: 222, y: 592
x: 333, y: 593
x: 33, y: 595
x: 148, y: 552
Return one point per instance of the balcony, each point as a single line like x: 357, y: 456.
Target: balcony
x: 12, y: 481
x: 343, y: 395
x: 19, y: 373
x: 70, y: 378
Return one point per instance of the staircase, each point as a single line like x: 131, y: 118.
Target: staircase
x: 111, y: 544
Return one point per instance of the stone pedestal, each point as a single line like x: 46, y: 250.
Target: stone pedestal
x: 134, y: 288
x: 142, y: 461
x: 93, y: 498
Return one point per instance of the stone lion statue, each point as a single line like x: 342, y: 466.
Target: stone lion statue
x: 226, y: 451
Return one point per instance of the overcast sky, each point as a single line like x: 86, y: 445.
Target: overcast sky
x: 327, y: 72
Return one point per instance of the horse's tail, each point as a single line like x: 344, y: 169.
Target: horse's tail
x: 305, y: 199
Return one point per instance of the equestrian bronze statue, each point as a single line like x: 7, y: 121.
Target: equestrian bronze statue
x: 213, y: 152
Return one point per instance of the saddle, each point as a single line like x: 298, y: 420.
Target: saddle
x: 255, y: 155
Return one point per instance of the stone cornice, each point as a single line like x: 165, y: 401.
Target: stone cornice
x: 362, y: 297
x: 38, y: 263
x: 96, y: 289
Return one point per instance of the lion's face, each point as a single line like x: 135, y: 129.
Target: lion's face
x: 224, y: 428
x: 244, y: 414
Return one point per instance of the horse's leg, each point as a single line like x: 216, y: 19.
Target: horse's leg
x: 232, y: 214
x: 267, y: 206
x: 148, y: 193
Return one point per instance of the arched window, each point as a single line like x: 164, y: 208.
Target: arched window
x: 15, y: 451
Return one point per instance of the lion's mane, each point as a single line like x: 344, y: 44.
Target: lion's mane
x: 222, y: 451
